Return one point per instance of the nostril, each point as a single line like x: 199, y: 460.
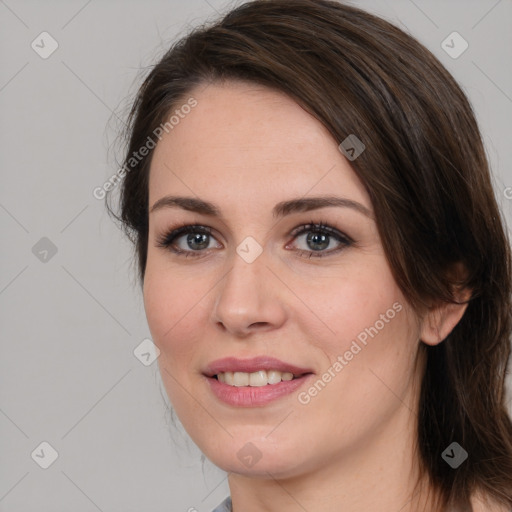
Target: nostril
x: 258, y: 324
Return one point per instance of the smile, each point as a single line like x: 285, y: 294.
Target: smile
x: 255, y: 379
x: 254, y: 382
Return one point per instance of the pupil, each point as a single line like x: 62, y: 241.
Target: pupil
x: 314, y: 238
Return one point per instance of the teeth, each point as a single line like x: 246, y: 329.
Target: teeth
x: 273, y: 377
x: 240, y: 379
x: 256, y: 379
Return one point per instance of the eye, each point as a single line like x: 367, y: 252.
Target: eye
x: 195, y: 240
x: 319, y: 237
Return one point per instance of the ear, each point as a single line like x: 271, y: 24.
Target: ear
x: 441, y: 318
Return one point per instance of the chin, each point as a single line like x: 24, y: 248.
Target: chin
x: 256, y: 457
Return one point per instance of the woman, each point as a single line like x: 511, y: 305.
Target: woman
x: 324, y: 266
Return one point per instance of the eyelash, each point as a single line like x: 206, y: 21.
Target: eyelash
x: 166, y: 241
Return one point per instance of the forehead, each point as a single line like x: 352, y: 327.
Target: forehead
x: 244, y: 141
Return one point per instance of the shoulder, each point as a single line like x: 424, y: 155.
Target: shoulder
x: 481, y: 503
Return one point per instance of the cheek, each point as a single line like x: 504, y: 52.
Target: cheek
x: 370, y: 360
x: 173, y: 307
x: 371, y: 342
x: 365, y: 305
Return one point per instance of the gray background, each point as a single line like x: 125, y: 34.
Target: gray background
x: 68, y: 375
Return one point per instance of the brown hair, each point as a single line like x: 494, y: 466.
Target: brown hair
x: 427, y: 174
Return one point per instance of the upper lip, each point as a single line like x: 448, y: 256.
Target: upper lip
x: 232, y: 364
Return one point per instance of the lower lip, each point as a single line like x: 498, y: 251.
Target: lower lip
x: 251, y: 396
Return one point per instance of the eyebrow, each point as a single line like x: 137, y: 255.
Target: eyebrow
x: 303, y: 204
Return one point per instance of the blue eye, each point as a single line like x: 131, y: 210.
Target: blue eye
x: 198, y: 239
x: 319, y: 237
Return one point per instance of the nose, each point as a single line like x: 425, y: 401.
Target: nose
x: 249, y: 298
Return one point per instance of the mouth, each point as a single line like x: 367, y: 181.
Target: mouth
x: 257, y: 371
x: 254, y: 382
x: 255, y: 379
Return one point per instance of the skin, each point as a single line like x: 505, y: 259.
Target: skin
x: 246, y: 148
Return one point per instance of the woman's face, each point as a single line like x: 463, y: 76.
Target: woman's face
x: 319, y: 300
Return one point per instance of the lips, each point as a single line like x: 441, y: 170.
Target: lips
x: 232, y: 364
x: 231, y: 380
